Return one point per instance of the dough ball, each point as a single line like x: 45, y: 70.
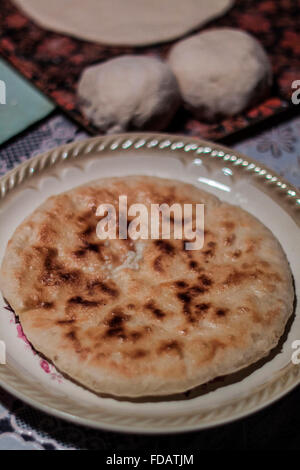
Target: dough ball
x: 129, y: 92
x: 220, y: 72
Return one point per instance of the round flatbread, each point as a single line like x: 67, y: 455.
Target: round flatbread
x: 146, y: 317
x: 123, y: 22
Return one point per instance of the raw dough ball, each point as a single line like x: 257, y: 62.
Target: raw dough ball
x: 129, y: 92
x: 220, y: 72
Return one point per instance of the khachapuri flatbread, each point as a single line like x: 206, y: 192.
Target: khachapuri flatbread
x: 146, y: 317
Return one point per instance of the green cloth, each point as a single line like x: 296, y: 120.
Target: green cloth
x: 21, y: 104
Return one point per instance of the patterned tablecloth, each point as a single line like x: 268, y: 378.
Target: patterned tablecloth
x: 22, y: 427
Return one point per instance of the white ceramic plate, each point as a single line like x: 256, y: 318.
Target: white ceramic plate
x: 231, y: 176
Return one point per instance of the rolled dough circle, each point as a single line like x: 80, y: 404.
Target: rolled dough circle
x: 123, y: 22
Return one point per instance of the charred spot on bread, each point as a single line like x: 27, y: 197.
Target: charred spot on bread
x: 228, y: 225
x: 171, y: 346
x: 203, y: 307
x: 230, y: 239
x: 116, y: 318
x: 139, y: 354
x: 83, y: 302
x: 108, y: 288
x: 157, y: 264
x: 65, y: 322
x: 47, y: 305
x: 157, y: 312
x: 221, y: 312
x: 165, y: 247
x: 181, y: 284
x: 115, y: 332
x: 193, y: 264
x: 205, y: 280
